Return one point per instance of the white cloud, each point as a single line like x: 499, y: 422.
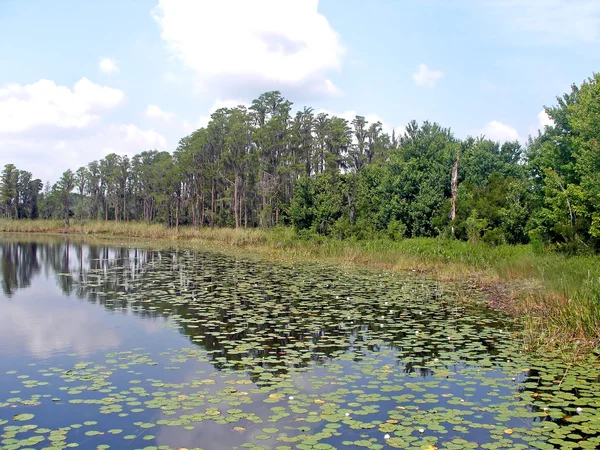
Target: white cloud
x: 108, y: 66
x: 61, y: 329
x: 204, y: 119
x: 138, y: 140
x: 187, y: 127
x: 155, y: 112
x: 498, y: 131
x: 544, y: 120
x: 237, y: 45
x: 44, y: 103
x: 563, y: 22
x: 427, y: 77
x: 171, y: 77
x: 47, y: 157
x: 350, y: 115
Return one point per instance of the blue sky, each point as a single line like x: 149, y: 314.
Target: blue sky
x: 79, y: 80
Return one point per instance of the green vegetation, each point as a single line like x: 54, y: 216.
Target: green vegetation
x: 263, y: 166
x: 256, y: 355
x: 558, y: 295
x: 352, y: 192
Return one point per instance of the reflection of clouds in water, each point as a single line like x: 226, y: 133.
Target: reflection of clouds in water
x: 210, y: 435
x: 44, y: 330
x: 153, y: 326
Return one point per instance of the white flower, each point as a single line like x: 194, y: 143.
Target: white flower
x: 291, y: 397
x: 421, y: 430
x: 579, y: 409
x: 347, y: 414
x: 386, y: 437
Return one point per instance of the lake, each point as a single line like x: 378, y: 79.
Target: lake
x: 112, y: 346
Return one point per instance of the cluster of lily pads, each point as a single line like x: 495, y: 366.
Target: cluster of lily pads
x: 301, y: 356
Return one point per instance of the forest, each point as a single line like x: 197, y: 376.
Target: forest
x: 264, y: 166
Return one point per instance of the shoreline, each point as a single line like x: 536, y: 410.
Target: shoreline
x: 556, y: 297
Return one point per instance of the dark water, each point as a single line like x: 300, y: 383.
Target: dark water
x: 133, y: 348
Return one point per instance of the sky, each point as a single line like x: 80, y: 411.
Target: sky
x: 80, y: 80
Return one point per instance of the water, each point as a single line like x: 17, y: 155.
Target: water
x: 137, y: 348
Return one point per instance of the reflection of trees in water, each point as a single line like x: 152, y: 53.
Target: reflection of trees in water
x: 124, y: 279
x: 213, y: 292
x: 18, y: 264
x: 98, y: 273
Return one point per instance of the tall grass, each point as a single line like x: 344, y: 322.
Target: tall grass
x: 557, y: 296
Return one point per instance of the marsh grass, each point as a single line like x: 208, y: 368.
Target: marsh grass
x: 557, y: 296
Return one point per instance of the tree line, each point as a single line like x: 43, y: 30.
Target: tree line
x: 262, y: 166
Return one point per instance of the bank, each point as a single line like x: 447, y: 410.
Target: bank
x: 556, y: 296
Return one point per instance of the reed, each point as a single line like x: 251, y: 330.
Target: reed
x: 557, y: 296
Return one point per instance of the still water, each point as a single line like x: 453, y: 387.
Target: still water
x: 105, y: 346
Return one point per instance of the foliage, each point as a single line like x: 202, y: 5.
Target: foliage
x: 264, y: 166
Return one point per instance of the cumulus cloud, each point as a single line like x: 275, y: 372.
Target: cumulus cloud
x: 63, y: 328
x: 544, y: 120
x: 218, y: 104
x: 47, y: 157
x: 426, y: 77
x: 139, y: 139
x: 155, y: 112
x: 44, y: 103
x: 566, y: 22
x: 498, y: 131
x: 47, y: 128
x: 108, y: 66
x: 350, y: 115
x: 241, y: 46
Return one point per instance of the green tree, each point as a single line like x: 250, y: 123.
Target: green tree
x: 65, y: 185
x: 8, y: 191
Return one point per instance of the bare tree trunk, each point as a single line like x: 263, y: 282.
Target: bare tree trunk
x: 67, y: 210
x: 454, y: 192
x: 212, y: 206
x: 571, y: 215
x: 177, y: 216
x: 245, y: 209
x: 235, y: 202
x: 203, y: 206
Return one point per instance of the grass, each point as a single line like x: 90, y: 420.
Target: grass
x: 557, y: 297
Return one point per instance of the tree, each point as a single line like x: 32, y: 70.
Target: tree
x: 8, y: 191
x: 65, y: 185
x: 81, y: 179
x: 564, y: 166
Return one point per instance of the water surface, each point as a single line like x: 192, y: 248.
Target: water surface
x: 120, y: 347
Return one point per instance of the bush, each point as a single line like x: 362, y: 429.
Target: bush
x: 396, y: 230
x: 494, y: 237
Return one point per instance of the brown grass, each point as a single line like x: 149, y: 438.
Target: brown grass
x: 558, y: 298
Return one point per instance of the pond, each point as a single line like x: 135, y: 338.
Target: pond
x: 112, y: 346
